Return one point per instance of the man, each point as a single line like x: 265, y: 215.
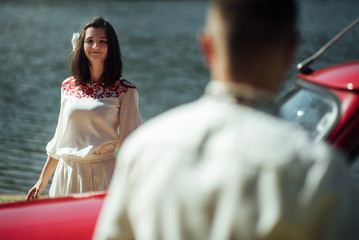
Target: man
x: 224, y: 167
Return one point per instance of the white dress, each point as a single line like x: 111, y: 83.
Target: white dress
x: 93, y: 122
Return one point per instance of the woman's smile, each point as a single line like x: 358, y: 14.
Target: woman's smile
x: 95, y: 45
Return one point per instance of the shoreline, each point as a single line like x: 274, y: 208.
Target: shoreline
x: 9, y: 198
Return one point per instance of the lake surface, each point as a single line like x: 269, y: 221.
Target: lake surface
x: 158, y: 40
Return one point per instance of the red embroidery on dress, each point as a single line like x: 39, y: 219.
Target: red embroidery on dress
x: 96, y: 90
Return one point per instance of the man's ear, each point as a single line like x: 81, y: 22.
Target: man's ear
x: 206, y: 44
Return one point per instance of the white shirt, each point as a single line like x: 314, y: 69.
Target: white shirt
x: 216, y: 169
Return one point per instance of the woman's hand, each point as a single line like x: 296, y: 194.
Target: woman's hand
x: 45, y: 175
x: 36, y: 190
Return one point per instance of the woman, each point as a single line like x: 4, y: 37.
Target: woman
x: 98, y: 111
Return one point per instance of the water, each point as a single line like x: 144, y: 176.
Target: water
x: 158, y: 40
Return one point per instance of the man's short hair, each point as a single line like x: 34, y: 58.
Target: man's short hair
x: 251, y: 26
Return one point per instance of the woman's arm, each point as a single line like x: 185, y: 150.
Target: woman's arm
x: 41, y: 184
x: 130, y: 117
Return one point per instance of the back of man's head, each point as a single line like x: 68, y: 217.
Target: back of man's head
x: 250, y: 30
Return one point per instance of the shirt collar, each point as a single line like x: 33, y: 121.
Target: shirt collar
x: 242, y: 94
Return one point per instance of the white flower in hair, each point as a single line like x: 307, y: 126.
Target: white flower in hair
x: 75, y: 38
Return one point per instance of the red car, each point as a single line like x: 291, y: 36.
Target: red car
x: 57, y: 218
x: 325, y: 102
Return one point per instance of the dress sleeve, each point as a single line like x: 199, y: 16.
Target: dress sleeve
x: 52, y: 146
x: 129, y: 117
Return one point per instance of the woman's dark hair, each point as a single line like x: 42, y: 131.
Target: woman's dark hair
x: 79, y: 64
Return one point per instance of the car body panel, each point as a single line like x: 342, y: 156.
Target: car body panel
x: 349, y: 120
x: 71, y: 217
x: 343, y: 76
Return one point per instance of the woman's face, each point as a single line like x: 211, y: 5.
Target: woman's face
x: 95, y: 45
